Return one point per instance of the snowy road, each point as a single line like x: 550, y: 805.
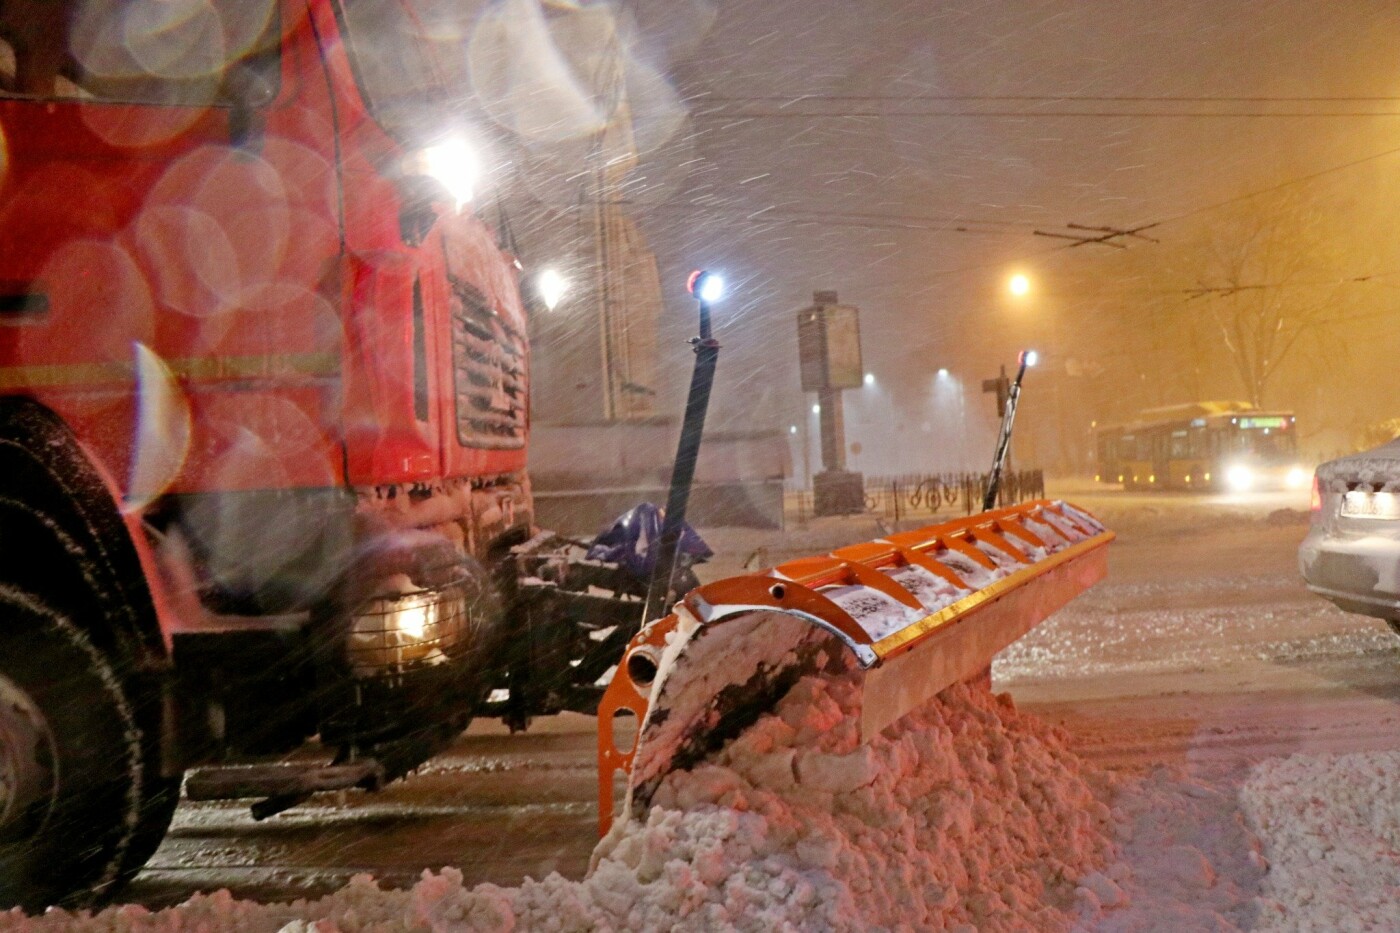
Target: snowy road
x: 1201, y: 650
x: 501, y: 807
x: 1203, y: 647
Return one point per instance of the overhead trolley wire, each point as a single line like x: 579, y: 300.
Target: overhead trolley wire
x: 819, y: 106
x: 1299, y: 180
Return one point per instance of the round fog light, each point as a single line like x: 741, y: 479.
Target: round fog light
x: 393, y: 633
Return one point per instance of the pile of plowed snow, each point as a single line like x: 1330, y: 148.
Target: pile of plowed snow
x: 964, y: 814
x: 1331, y: 827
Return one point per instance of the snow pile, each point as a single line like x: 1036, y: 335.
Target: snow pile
x: 964, y: 814
x: 1331, y: 827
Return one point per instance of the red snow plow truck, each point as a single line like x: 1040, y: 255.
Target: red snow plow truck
x: 263, y: 426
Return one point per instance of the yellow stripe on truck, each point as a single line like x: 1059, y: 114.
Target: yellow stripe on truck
x: 199, y: 368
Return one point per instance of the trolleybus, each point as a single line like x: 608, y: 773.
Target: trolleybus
x: 1208, y: 446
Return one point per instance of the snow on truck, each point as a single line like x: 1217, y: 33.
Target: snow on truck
x: 263, y: 427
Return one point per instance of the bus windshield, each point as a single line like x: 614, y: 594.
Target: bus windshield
x: 1270, y: 445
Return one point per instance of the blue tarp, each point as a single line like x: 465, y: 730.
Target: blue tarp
x: 634, y: 539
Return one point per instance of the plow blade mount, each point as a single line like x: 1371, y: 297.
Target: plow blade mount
x: 915, y: 612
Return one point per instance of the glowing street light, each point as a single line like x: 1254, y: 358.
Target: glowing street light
x: 869, y: 379
x: 1030, y: 357
x: 1019, y: 285
x: 552, y: 287
x: 947, y: 387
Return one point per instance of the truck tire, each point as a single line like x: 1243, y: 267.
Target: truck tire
x: 74, y: 815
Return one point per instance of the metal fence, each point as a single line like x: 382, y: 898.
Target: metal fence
x: 897, y: 498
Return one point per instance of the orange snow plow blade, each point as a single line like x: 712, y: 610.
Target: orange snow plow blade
x: 916, y: 612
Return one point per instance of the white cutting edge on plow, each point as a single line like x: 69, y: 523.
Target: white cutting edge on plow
x: 916, y: 612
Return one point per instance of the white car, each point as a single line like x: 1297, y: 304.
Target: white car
x: 1352, y: 554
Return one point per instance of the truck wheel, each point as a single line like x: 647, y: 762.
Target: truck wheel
x: 159, y: 797
x: 71, y: 764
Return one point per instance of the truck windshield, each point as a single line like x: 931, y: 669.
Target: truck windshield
x: 409, y: 59
x: 146, y: 51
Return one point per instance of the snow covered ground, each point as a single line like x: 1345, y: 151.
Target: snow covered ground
x: 965, y: 815
x: 1197, y: 744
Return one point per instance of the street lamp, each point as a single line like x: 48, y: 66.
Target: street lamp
x: 705, y: 287
x: 551, y: 286
x: 945, y: 382
x: 1047, y: 325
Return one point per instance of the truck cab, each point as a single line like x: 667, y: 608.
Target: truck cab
x: 263, y: 417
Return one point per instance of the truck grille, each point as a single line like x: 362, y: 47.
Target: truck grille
x: 488, y: 368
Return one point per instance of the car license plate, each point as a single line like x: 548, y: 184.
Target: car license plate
x: 1370, y: 505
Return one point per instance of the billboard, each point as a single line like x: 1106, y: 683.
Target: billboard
x: 828, y: 347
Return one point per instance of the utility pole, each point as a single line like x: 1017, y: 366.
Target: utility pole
x: 1001, y: 385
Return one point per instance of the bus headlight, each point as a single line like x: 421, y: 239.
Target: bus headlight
x: 1297, y: 478
x: 1239, y: 477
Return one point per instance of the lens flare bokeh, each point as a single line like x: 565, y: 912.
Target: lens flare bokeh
x: 162, y: 431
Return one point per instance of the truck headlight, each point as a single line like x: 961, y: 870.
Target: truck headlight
x: 393, y: 633
x: 1297, y: 478
x: 1239, y: 477
x: 451, y: 163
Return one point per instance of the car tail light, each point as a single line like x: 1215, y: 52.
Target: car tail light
x: 1315, y: 501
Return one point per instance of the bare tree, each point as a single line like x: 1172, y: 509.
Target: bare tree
x: 1147, y: 340
x: 1269, y: 275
